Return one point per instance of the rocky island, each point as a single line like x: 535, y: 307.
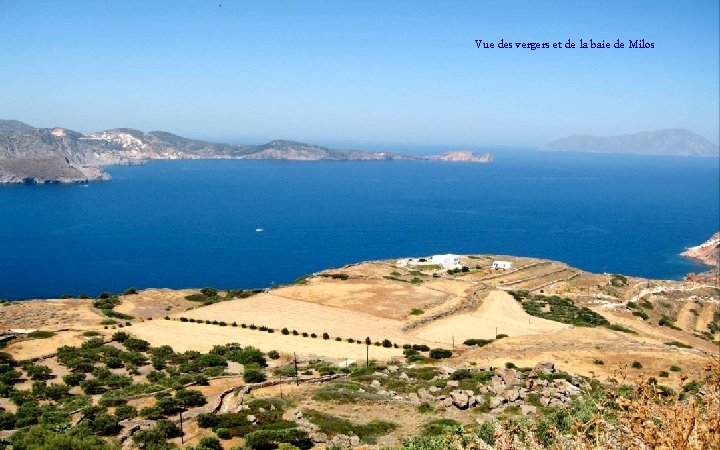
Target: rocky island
x: 669, y: 142
x: 464, y: 156
x: 45, y: 155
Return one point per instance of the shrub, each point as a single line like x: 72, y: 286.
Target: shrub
x: 674, y: 368
x: 386, y: 343
x: 501, y: 336
x: 73, y: 379
x: 285, y: 331
x: 126, y: 412
x: 440, y: 353
x: 209, y: 292
x: 138, y: 345
x: 41, y: 334
x: 599, y: 362
x: 663, y: 374
x: 120, y: 336
x: 253, y: 375
x: 636, y: 365
x: 273, y: 354
x: 678, y: 344
x: 478, y: 342
x: 416, y: 311
x: 271, y: 439
x: 223, y: 433
x: 325, y: 336
x: 190, y: 397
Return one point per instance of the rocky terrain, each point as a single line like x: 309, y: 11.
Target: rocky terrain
x: 40, y: 155
x: 670, y: 142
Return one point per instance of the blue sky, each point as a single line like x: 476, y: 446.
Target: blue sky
x: 360, y: 74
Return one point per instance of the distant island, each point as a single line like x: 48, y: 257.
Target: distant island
x: 58, y: 155
x: 669, y: 142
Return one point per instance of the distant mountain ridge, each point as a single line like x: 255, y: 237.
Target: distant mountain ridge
x: 62, y: 155
x: 667, y: 142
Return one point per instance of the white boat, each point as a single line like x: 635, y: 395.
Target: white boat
x: 259, y: 230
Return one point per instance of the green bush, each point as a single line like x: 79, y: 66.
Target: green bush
x: 271, y: 439
x: 417, y: 312
x: 440, y: 353
x: 636, y: 365
x: 41, y: 334
x: 253, y: 375
x: 438, y: 427
x: 478, y: 342
x: 273, y: 354
x: 333, y: 425
x: 678, y: 344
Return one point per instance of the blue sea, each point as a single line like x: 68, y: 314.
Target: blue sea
x: 193, y: 223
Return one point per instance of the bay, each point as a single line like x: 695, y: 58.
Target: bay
x: 193, y: 223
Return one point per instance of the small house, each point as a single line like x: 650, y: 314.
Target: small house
x: 446, y: 261
x: 502, y: 265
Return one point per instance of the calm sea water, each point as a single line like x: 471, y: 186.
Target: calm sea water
x: 192, y: 223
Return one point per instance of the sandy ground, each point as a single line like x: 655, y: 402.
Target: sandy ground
x: 381, y: 298
x: 156, y: 302
x: 183, y: 336
x: 32, y: 348
x: 498, y: 311
x: 49, y: 314
x: 705, y: 317
x: 685, y: 318
x: 279, y: 312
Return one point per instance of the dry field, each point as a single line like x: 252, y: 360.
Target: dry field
x: 156, y: 302
x: 182, y: 336
x: 280, y: 312
x: 49, y: 314
x: 34, y: 348
x: 499, y: 313
x: 377, y: 297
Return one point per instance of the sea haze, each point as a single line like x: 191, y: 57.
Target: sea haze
x: 193, y: 223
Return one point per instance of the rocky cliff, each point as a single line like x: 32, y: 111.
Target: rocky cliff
x: 708, y: 252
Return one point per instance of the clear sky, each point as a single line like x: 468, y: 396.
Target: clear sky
x: 371, y: 74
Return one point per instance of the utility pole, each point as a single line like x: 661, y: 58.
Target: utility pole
x: 297, y: 375
x: 182, y: 434
x: 453, y: 341
x: 367, y: 355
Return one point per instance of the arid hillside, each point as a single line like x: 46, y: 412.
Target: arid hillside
x: 336, y: 351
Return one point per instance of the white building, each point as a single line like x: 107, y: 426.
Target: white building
x: 446, y: 261
x: 502, y: 265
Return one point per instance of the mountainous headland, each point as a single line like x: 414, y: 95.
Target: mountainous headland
x: 40, y: 155
x: 668, y: 142
x: 472, y: 347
